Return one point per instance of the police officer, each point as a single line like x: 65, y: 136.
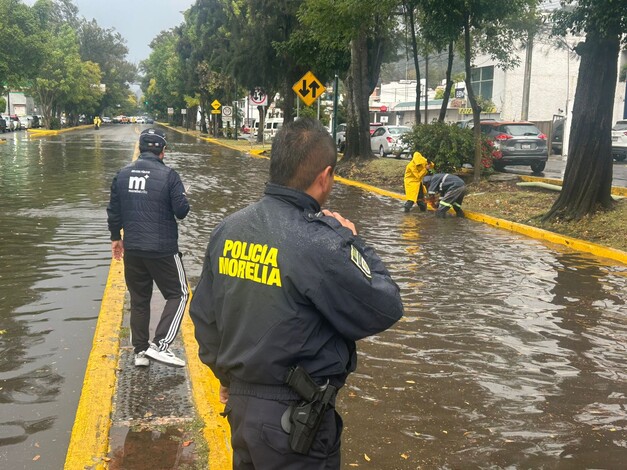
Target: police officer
x: 287, y: 284
x: 146, y: 199
x: 445, y: 191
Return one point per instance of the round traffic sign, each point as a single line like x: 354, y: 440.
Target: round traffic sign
x: 227, y: 111
x: 383, y: 109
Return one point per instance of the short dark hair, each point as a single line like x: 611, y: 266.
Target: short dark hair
x: 300, y: 151
x: 152, y: 140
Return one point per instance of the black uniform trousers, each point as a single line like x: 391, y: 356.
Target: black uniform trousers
x: 260, y: 443
x: 169, y: 275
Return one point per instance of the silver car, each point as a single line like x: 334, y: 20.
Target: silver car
x: 619, y: 141
x: 388, y: 140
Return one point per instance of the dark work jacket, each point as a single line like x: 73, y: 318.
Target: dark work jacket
x: 283, y: 285
x: 442, y: 183
x: 146, y: 196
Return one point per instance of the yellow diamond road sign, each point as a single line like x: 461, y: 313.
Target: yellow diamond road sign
x: 308, y: 88
x: 216, y: 104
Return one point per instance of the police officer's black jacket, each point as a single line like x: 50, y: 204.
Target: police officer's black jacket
x: 442, y: 183
x: 146, y: 196
x: 283, y: 285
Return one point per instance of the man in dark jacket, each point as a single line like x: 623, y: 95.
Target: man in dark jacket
x: 146, y: 199
x: 445, y: 191
x: 286, y: 284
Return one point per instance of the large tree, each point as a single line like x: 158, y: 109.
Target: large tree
x: 486, y: 27
x: 588, y: 175
x: 107, y: 48
x: 23, y: 45
x: 364, y: 29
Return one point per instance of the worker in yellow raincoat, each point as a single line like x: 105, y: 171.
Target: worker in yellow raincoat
x: 415, y: 192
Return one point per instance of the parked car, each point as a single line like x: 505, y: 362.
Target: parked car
x: 106, y: 120
x: 520, y: 143
x: 17, y: 123
x: 557, y: 140
x: 619, y: 141
x: 10, y: 124
x: 374, y: 126
x: 3, y: 125
x: 31, y: 122
x: 469, y: 123
x: 388, y: 140
x: 340, y: 137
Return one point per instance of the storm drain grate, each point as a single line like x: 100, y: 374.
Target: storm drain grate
x: 151, y: 393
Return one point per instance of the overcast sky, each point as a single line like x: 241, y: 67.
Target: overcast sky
x: 138, y: 21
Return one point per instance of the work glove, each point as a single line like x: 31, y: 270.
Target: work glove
x: 422, y: 205
x: 407, y: 206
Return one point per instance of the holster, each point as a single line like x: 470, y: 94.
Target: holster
x: 306, y: 417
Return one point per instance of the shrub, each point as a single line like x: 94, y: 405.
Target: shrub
x: 448, y: 146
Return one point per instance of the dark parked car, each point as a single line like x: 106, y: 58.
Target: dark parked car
x: 557, y: 141
x: 520, y: 143
x: 3, y: 125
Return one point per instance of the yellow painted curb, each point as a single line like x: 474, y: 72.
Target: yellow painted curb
x: 89, y: 441
x: 205, y: 390
x: 534, y: 232
x: 616, y: 190
x: 47, y: 132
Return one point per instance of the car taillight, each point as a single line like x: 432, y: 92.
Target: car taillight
x: 542, y: 136
x: 503, y: 137
x: 390, y: 140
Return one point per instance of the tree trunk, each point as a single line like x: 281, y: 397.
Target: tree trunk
x: 358, y: 87
x: 414, y: 47
x: 476, y: 109
x: 203, y: 114
x: 449, y: 82
x: 588, y: 175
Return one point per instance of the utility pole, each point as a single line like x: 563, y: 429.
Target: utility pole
x: 524, y: 115
x: 426, y: 88
x: 336, y: 90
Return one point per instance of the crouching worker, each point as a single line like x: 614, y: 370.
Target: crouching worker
x: 415, y: 171
x: 445, y: 191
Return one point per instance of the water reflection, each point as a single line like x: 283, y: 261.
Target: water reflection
x: 511, y: 353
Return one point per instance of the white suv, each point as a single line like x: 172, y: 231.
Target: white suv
x: 619, y: 141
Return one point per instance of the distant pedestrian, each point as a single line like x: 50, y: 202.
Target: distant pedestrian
x: 445, y: 191
x: 415, y: 171
x: 146, y: 199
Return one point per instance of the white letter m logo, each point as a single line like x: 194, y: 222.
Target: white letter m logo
x: 137, y: 183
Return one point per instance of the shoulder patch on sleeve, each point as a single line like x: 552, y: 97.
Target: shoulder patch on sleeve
x: 359, y: 261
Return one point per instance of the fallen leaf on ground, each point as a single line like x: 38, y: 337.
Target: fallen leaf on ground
x: 366, y: 457
x: 187, y: 443
x: 37, y: 457
x: 405, y: 456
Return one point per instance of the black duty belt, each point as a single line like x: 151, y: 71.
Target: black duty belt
x: 265, y: 391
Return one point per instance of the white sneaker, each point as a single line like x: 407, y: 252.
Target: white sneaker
x: 166, y: 357
x: 141, y: 360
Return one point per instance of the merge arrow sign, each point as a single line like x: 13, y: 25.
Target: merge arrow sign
x: 308, y: 88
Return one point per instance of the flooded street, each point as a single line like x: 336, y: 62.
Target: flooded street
x: 512, y: 352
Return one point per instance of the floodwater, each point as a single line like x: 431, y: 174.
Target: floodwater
x: 511, y: 354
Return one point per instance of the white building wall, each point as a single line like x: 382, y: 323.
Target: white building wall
x: 554, y: 73
x: 553, y: 83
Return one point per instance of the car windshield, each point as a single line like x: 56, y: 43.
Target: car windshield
x: 518, y: 130
x: 620, y: 126
x: 398, y: 130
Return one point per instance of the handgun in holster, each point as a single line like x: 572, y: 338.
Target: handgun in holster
x: 306, y: 417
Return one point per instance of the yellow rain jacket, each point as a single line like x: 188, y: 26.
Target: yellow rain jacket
x: 414, y: 173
